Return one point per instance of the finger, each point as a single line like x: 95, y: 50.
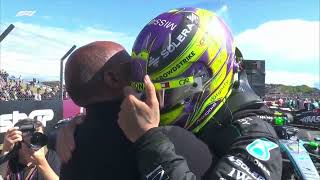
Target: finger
x: 136, y: 104
x: 13, y: 134
x: 150, y: 92
x: 16, y: 139
x: 11, y: 130
x: 9, y: 136
x: 124, y: 103
x: 130, y: 91
x: 127, y: 105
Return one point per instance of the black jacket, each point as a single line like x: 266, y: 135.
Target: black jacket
x: 243, y: 146
x: 103, y: 152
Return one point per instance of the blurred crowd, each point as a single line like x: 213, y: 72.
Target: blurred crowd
x: 295, y: 103
x: 16, y: 89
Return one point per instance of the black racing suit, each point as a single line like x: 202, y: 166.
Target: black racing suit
x: 242, y: 145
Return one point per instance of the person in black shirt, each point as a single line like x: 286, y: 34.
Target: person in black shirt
x: 95, y: 75
x: 93, y: 80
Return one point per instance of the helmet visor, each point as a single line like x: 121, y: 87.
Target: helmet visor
x: 174, y: 92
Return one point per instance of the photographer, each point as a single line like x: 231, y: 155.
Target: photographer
x: 29, y: 162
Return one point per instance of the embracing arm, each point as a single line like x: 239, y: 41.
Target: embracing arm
x: 156, y: 155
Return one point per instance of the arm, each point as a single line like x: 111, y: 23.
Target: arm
x: 39, y: 159
x: 254, y: 154
x: 12, y: 136
x: 47, y: 172
x: 3, y: 167
x: 64, y: 138
x: 156, y: 156
x: 158, y: 160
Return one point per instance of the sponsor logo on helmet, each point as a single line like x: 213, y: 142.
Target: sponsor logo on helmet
x: 184, y: 81
x: 207, y: 112
x: 154, y: 61
x: 163, y: 23
x: 243, y: 166
x: 175, y: 44
x: 177, y: 66
x: 260, y: 149
x: 137, y: 86
x: 165, y: 85
x: 215, y: 95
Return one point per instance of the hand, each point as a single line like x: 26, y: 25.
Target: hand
x: 12, y: 136
x: 137, y: 117
x: 38, y: 157
x: 65, y: 140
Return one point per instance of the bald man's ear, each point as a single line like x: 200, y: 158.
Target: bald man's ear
x: 112, y: 80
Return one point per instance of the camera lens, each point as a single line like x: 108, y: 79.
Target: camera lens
x: 39, y: 139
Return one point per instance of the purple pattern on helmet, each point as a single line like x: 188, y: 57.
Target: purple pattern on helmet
x: 182, y: 120
x: 138, y: 70
x: 195, y: 67
x: 157, y: 32
x: 204, y: 58
x: 229, y: 61
x: 229, y: 37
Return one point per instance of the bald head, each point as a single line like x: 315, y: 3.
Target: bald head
x: 96, y: 72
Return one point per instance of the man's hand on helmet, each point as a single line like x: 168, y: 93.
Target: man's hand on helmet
x: 137, y: 117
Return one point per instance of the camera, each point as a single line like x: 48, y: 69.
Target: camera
x: 38, y: 140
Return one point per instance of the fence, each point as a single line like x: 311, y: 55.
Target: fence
x: 30, y: 77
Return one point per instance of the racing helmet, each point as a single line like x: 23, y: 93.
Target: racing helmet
x: 189, y: 55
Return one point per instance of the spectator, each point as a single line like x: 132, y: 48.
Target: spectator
x: 47, y: 93
x: 301, y: 104
x: 318, y: 104
x: 37, y: 96
x: 280, y: 102
x: 28, y: 163
x: 305, y: 104
x: 314, y: 104
x: 13, y: 89
x: 13, y: 94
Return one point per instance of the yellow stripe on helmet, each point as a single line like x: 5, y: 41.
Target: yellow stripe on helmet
x: 171, y: 84
x: 219, y: 77
x: 168, y: 118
